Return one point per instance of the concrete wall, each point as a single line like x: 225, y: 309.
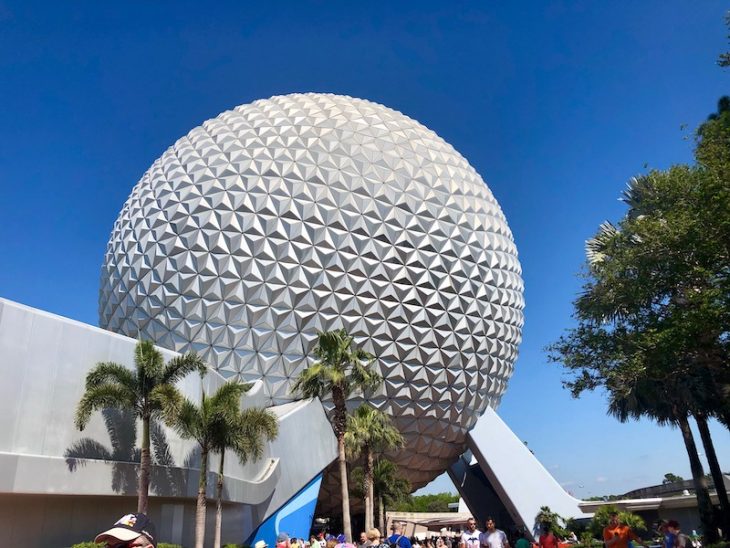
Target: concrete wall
x: 73, y: 483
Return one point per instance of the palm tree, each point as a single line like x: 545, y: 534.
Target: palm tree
x: 665, y: 403
x: 205, y: 424
x: 388, y: 486
x: 111, y: 385
x: 370, y: 431
x: 338, y: 371
x: 244, y: 434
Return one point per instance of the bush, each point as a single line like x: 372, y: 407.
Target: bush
x: 587, y: 540
x: 168, y: 545
x: 600, y: 520
x: 547, y: 519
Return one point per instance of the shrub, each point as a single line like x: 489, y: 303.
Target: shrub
x: 600, y: 520
x: 587, y: 540
x: 547, y: 519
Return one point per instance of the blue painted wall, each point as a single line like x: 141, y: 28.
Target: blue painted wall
x: 294, y: 518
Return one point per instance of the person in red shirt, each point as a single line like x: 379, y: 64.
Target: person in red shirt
x: 548, y: 539
x: 616, y: 535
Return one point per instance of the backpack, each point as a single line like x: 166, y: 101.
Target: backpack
x: 688, y: 542
x: 395, y: 544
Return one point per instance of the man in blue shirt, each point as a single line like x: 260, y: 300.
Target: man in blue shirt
x: 397, y: 538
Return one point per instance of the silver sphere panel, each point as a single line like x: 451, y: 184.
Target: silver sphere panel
x: 305, y: 213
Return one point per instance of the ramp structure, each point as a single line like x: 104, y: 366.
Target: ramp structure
x: 500, y: 477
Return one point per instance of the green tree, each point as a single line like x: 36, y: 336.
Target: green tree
x: 111, y: 385
x: 213, y: 424
x: 602, y: 515
x: 653, y: 313
x: 389, y: 486
x: 663, y: 402
x: 338, y: 371
x: 244, y: 433
x: 548, y: 520
x: 671, y: 478
x: 370, y: 432
x: 437, y: 502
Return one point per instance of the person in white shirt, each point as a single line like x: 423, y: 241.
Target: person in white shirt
x: 493, y: 537
x: 470, y: 537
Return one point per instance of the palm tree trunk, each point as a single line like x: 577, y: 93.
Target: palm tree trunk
x: 368, y: 512
x: 145, y: 463
x: 716, y: 472
x: 366, y: 500
x: 704, y: 504
x: 381, y: 516
x: 219, y: 504
x: 346, y: 526
x: 340, y: 427
x: 200, y: 510
x: 370, y: 496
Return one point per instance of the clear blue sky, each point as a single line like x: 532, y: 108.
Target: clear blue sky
x: 556, y: 104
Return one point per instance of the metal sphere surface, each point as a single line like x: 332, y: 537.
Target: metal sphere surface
x: 310, y: 212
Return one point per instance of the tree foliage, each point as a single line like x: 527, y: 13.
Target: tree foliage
x: 218, y: 423
x: 671, y: 478
x: 112, y: 386
x: 245, y: 434
x: 653, y: 317
x: 548, y: 520
x: 601, y: 517
x: 389, y: 487
x: 438, y: 502
x: 340, y: 369
x: 370, y: 432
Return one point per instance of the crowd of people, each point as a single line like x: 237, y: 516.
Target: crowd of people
x: 138, y: 531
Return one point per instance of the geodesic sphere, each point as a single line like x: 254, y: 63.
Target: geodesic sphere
x: 306, y: 213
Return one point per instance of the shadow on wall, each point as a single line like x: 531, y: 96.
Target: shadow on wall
x: 125, y: 455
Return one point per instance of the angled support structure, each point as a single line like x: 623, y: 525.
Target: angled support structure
x: 506, y: 481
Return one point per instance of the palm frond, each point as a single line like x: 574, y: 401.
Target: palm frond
x: 99, y: 397
x: 370, y: 428
x: 228, y: 396
x: 364, y: 378
x: 110, y: 373
x: 180, y: 366
x: 166, y: 400
x: 253, y: 428
x: 188, y: 421
x: 149, y: 360
x: 597, y: 247
x: 353, y: 444
x: 313, y: 382
x: 388, y: 482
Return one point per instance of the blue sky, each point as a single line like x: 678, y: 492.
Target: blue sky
x: 556, y: 104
